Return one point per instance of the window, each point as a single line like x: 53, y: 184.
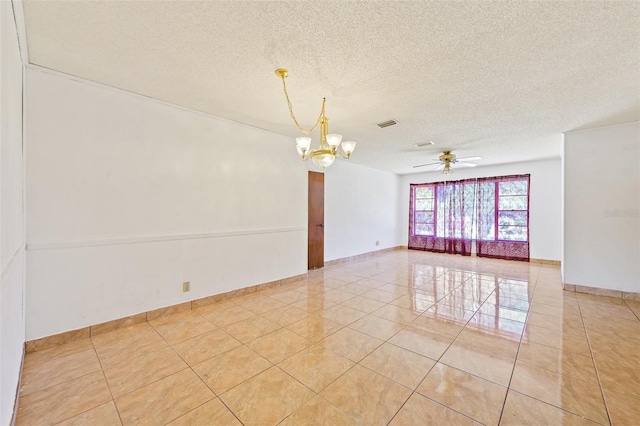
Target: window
x: 447, y: 216
x: 513, y: 210
x: 504, y: 210
x: 442, y: 216
x: 424, y: 216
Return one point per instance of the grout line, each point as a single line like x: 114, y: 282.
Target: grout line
x: 632, y: 311
x: 230, y: 410
x: 70, y: 380
x: 595, y: 365
x: 515, y: 361
x: 215, y: 395
x: 404, y: 403
x: 149, y: 352
x: 565, y: 410
x: 113, y: 400
x: 64, y: 381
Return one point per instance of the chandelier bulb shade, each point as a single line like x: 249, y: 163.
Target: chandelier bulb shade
x: 334, y: 140
x: 348, y: 147
x: 303, y: 143
x: 331, y: 144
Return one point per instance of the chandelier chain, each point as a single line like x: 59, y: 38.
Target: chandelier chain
x: 293, y: 117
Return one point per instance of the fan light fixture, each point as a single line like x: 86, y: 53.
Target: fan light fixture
x: 448, y: 159
x: 325, y: 155
x: 447, y: 169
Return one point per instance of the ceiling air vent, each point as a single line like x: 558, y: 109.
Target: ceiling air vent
x: 387, y: 123
x: 423, y: 144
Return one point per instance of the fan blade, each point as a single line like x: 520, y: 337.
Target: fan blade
x: 464, y: 164
x: 440, y: 167
x: 423, y: 165
x: 469, y: 159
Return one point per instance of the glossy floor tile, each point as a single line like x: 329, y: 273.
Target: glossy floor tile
x: 164, y: 400
x: 479, y: 362
x: 317, y: 366
x: 279, y: 345
x: 523, y: 410
x: 231, y: 368
x: 470, y: 395
x: 142, y: 369
x: 319, y: 411
x: 44, y: 374
x: 198, y: 349
x: 267, y: 398
x: 402, y: 338
x: 403, y: 366
x: 63, y: 401
x: 563, y: 391
x: 368, y: 396
x: 213, y: 412
x: 419, y: 410
x: 104, y: 415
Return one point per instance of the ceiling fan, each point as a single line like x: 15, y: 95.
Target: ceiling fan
x: 447, y: 159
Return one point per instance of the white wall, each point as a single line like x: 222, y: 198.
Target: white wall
x: 127, y: 197
x: 545, y: 217
x: 12, y: 322
x: 360, y: 210
x: 601, y: 207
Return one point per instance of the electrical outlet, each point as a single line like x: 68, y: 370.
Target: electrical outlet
x: 377, y: 243
x: 186, y: 286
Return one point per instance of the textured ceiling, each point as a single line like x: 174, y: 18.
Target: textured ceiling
x: 498, y: 80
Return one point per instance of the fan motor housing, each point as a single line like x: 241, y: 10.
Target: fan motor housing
x: 448, y: 157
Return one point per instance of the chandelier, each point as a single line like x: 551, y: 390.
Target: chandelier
x: 326, y: 153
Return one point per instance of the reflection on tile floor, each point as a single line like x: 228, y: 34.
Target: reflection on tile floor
x: 405, y: 338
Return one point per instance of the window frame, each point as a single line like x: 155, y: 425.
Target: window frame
x: 434, y: 210
x: 497, y: 210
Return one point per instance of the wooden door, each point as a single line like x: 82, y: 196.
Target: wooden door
x: 316, y: 221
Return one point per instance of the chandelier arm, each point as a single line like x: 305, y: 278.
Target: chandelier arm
x: 293, y: 117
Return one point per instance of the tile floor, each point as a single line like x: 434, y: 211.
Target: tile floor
x: 405, y: 338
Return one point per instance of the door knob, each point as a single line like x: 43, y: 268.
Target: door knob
x: 321, y: 225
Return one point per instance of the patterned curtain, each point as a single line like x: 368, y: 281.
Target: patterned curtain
x: 441, y: 217
x: 446, y: 217
x: 503, y: 217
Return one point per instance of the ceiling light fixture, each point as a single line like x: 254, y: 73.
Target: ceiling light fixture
x: 325, y: 155
x: 447, y: 169
x: 448, y: 158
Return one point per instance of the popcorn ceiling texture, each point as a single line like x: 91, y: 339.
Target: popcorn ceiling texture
x: 499, y: 80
